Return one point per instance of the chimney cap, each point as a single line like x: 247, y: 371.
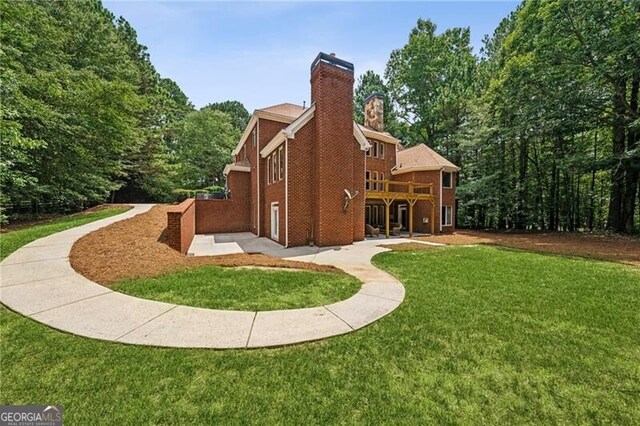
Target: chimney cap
x: 333, y: 61
x: 374, y: 95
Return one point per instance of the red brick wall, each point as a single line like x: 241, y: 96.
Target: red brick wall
x: 232, y: 215
x: 334, y: 151
x: 357, y: 204
x: 423, y: 208
x: 267, y: 130
x: 274, y: 193
x: 385, y: 164
x: 449, y: 199
x: 213, y: 216
x: 301, y: 185
x: 181, y: 225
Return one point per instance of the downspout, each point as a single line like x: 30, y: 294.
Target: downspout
x: 286, y: 192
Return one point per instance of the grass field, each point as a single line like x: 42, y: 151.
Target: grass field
x: 13, y: 240
x: 243, y: 289
x: 485, y: 335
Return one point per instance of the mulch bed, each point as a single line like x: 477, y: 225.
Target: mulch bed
x: 616, y: 248
x: 136, y: 248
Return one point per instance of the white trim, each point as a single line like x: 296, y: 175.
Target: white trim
x: 365, y: 145
x: 252, y: 122
x: 445, y: 216
x: 258, y: 178
x: 289, y: 132
x: 379, y: 136
x: 245, y: 134
x: 235, y: 168
x: 286, y: 193
x: 440, y: 206
x: 277, y: 222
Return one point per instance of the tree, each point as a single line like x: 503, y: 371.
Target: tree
x: 369, y: 83
x: 205, y: 140
x: 431, y: 80
x: 238, y: 113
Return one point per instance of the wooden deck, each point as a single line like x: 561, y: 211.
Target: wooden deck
x: 389, y: 191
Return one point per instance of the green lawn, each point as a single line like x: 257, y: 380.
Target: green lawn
x: 485, y: 335
x: 13, y: 240
x: 244, y: 289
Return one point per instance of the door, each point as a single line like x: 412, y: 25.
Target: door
x: 274, y: 221
x: 402, y: 215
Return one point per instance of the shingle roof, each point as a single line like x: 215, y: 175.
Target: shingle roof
x: 286, y: 109
x: 421, y: 156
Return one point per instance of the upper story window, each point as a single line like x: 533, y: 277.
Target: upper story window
x: 376, y: 150
x: 447, y: 179
x: 367, y: 178
x: 281, y: 163
x: 276, y: 166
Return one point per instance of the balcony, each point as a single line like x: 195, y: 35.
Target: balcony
x: 390, y: 190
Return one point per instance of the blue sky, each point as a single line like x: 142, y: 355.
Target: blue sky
x: 260, y: 53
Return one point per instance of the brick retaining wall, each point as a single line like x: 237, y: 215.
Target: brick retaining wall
x: 181, y: 225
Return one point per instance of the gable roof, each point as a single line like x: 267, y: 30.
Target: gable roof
x: 290, y: 131
x: 285, y: 109
x: 380, y: 136
x: 283, y: 113
x: 421, y: 158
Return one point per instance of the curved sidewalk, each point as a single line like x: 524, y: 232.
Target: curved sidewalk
x: 38, y: 282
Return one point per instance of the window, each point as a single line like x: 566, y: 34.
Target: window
x: 274, y: 167
x: 447, y: 215
x: 381, y: 150
x: 281, y: 161
x: 374, y: 146
x: 447, y: 180
x: 381, y: 186
x: 268, y: 170
x: 370, y: 149
x: 375, y: 181
x: 367, y: 178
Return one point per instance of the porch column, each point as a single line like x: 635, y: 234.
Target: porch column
x: 411, y: 219
x: 386, y: 217
x: 433, y: 216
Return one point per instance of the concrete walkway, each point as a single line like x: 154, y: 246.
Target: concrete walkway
x: 38, y: 281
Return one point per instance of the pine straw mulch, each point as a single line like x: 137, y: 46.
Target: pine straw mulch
x: 616, y: 248
x: 135, y: 248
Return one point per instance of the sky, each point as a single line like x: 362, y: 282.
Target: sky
x: 259, y: 53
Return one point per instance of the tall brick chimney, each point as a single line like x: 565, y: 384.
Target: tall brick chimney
x: 374, y: 111
x: 334, y: 150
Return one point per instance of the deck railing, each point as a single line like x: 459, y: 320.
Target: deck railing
x: 399, y: 187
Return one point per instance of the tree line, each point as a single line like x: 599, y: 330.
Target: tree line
x: 86, y: 118
x: 544, y: 121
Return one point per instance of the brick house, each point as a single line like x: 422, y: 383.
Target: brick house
x: 313, y: 176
